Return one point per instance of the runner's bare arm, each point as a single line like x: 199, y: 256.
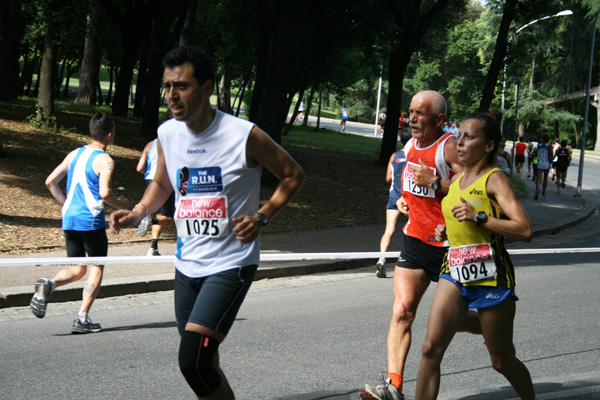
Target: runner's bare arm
x: 156, y: 194
x: 261, y: 149
x: 56, y: 176
x: 143, y: 161
x: 104, y: 166
x: 390, y: 171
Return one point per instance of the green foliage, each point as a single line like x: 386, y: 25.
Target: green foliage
x: 327, y: 139
x: 38, y: 121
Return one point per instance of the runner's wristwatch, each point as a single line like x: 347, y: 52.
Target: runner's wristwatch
x: 481, y: 218
x: 262, y: 218
x: 436, y: 184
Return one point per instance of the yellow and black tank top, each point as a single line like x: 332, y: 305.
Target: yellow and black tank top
x: 466, y: 233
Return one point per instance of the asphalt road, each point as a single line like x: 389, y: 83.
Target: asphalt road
x: 310, y: 337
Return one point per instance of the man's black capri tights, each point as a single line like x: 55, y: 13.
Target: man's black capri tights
x: 196, y: 356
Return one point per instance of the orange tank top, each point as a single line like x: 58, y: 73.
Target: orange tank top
x: 424, y: 204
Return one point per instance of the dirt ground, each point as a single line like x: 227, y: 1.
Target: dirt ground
x: 340, y: 189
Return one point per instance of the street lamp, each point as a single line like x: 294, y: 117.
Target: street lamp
x: 587, y: 108
x: 560, y: 14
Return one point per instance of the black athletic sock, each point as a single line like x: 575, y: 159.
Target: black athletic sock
x: 154, y: 244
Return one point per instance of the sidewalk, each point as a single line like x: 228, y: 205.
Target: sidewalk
x: 548, y: 216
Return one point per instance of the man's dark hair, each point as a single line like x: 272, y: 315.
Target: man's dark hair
x: 101, y: 125
x: 195, y: 55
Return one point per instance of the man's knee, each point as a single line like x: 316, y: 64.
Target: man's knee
x: 196, y: 361
x: 403, y: 312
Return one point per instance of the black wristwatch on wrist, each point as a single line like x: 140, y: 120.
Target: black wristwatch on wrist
x: 437, y: 184
x: 482, y: 218
x: 262, y: 218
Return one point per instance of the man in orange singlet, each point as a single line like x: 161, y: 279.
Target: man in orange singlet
x: 432, y: 159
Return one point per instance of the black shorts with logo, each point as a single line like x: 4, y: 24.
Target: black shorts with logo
x: 418, y: 255
x: 212, y: 301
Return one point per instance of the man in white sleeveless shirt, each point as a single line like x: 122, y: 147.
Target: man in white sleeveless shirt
x: 213, y: 162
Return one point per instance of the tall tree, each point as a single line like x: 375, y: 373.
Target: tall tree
x: 11, y: 31
x: 90, y: 66
x: 134, y: 17
x: 412, y: 20
x: 167, y: 24
x: 499, y: 53
x: 48, y: 68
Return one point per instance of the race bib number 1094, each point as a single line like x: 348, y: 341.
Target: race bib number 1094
x: 472, y: 262
x: 202, y: 216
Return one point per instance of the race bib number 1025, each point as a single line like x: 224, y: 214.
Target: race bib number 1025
x: 202, y: 216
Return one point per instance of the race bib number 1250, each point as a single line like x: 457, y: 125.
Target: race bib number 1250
x: 202, y: 216
x: 409, y: 185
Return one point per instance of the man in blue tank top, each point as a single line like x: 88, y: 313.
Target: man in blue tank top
x: 88, y: 170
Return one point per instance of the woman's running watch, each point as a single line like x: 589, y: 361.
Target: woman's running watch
x: 482, y: 218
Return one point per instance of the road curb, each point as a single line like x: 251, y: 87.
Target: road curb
x: 129, y: 288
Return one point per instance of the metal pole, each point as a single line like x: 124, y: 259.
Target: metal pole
x: 587, y: 108
x: 516, y: 128
x: 378, y: 99
x: 560, y: 14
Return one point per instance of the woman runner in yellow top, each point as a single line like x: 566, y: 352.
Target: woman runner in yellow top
x: 479, y: 210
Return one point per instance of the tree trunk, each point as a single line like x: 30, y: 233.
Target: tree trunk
x: 110, y: 85
x: 140, y: 92
x: 398, y: 62
x: 90, y: 65
x: 499, y: 53
x: 224, y: 98
x: 294, y: 114
x: 597, y: 145
x: 46, y: 88
x: 308, y: 106
x: 11, y: 31
x: 163, y: 20
x: 188, y: 33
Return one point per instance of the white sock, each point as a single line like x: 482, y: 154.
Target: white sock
x: 83, y: 316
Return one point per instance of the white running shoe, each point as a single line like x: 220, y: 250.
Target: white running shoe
x: 39, y: 301
x: 385, y: 391
x: 144, y: 225
x: 152, y: 252
x: 380, y: 268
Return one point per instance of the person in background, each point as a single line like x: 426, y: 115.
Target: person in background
x: 89, y: 171
x: 520, y: 154
x: 543, y: 155
x: 563, y: 159
x: 164, y: 217
x: 531, y: 148
x: 345, y: 116
x: 394, y: 177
